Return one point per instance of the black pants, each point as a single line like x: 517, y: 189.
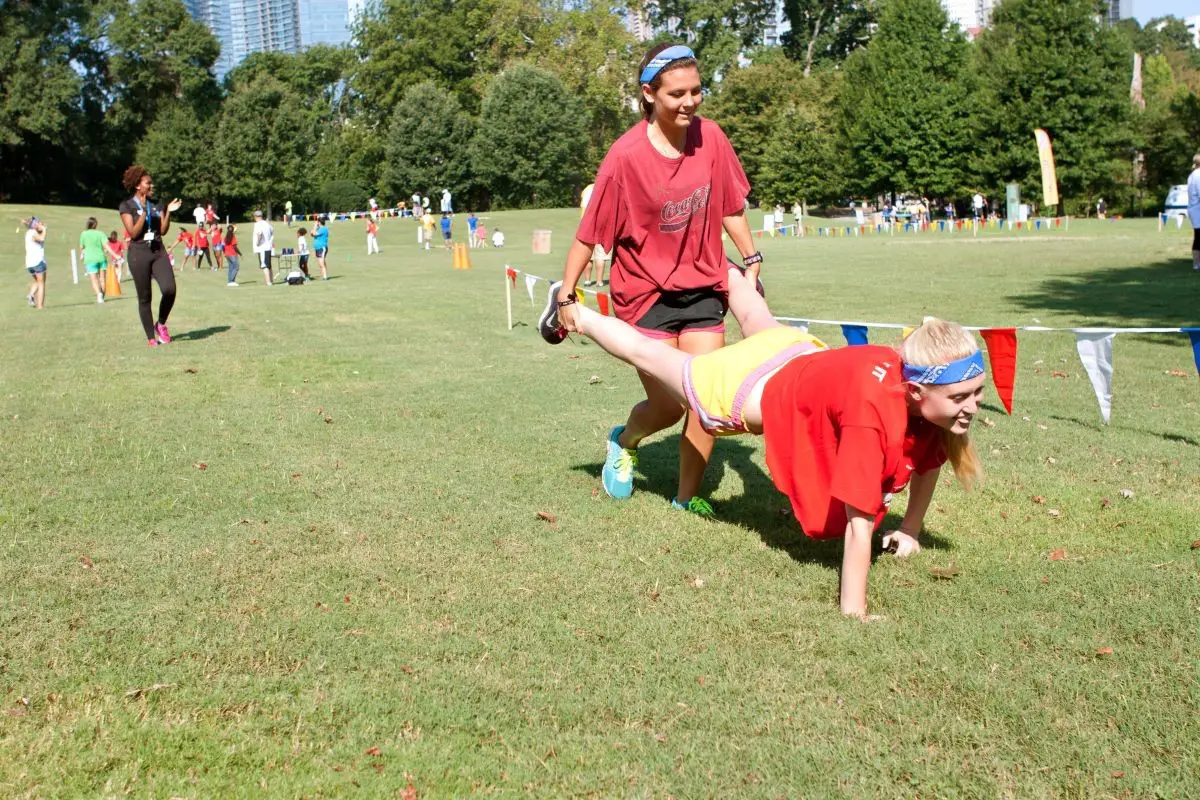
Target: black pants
x: 1195, y: 238
x: 204, y: 252
x: 146, y: 261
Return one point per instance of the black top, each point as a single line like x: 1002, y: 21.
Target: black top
x: 130, y: 206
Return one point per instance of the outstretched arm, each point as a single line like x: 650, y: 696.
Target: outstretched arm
x: 856, y: 561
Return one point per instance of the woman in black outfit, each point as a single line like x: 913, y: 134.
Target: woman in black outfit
x: 146, y: 225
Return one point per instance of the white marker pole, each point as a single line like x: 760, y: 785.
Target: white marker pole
x: 74, y: 266
x: 508, y: 297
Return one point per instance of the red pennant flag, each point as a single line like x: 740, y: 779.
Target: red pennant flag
x: 1001, y: 346
x: 602, y: 301
x: 512, y: 275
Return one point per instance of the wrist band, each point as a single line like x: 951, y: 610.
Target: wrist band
x: 751, y: 260
x: 570, y: 301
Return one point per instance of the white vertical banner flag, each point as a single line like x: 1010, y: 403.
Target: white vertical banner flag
x: 529, y: 282
x: 1096, y: 352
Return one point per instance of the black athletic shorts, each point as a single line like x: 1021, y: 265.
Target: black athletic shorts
x: 676, y: 312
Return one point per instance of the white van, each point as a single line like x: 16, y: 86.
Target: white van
x: 1176, y: 205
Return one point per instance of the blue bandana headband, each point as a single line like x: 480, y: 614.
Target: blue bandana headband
x: 672, y: 53
x: 955, y: 371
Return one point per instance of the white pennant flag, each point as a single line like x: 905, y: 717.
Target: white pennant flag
x: 1096, y: 352
x: 529, y: 282
x: 801, y: 324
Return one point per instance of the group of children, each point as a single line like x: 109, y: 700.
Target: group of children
x: 477, y: 235
x: 209, y: 241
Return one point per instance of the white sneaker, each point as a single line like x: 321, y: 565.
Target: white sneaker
x: 100, y: 299
x: 232, y: 283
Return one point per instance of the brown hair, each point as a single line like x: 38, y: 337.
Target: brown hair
x: 133, y: 176
x: 937, y: 341
x: 679, y: 63
x: 92, y: 223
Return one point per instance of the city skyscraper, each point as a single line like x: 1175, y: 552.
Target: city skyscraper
x: 285, y: 26
x: 1119, y: 10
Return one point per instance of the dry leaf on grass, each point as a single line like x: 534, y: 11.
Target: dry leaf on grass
x: 190, y: 370
x: 696, y: 583
x: 1117, y: 773
x: 1037, y: 498
x: 329, y: 420
x: 988, y: 422
x: 945, y: 573
x: 594, y: 379
x: 1196, y: 544
x: 135, y: 693
x: 1058, y: 374
x: 1104, y: 651
x: 1105, y: 502
x: 1054, y: 513
x: 409, y: 793
x: 547, y: 516
x: 574, y: 356
x: 372, y: 751
x: 200, y: 465
x: 1127, y: 493
x: 406, y: 669
x: 86, y: 562
x: 1059, y: 554
x: 1178, y: 373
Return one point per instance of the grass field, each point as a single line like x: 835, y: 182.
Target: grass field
x: 297, y: 552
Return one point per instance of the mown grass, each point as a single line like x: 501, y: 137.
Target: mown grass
x: 237, y: 565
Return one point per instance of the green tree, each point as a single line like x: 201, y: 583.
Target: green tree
x: 907, y: 104
x: 802, y: 161
x: 717, y: 30
x: 1052, y: 64
x: 428, y: 144
x: 826, y: 31
x: 531, y: 142
x: 178, y: 150
x: 264, y: 142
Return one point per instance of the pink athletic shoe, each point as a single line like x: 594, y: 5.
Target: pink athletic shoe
x: 161, y: 332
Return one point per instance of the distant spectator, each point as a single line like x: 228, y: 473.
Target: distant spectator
x: 1101, y: 209
x: 372, y: 237
x: 264, y: 246
x: 1193, y: 196
x: 198, y: 214
x: 472, y: 226
x: 321, y: 245
x: 447, y: 206
x: 35, y: 261
x: 287, y: 213
x: 498, y: 238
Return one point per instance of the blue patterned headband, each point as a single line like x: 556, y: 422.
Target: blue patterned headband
x: 672, y: 53
x: 955, y: 371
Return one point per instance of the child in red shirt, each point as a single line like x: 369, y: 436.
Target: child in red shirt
x: 845, y: 429
x: 188, y: 242
x: 218, y: 244
x: 202, y: 251
x: 118, y: 249
x: 663, y: 195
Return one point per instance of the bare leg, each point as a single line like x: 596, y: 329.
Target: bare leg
x: 657, y: 359
x: 747, y: 305
x: 696, y: 444
x: 97, y: 287
x: 40, y: 290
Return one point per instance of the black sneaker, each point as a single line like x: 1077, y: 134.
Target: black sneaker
x: 548, y: 325
x: 758, y: 284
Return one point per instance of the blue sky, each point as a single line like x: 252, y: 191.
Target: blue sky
x: 1146, y: 10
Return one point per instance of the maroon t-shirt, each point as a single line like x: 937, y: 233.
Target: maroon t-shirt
x: 661, y: 217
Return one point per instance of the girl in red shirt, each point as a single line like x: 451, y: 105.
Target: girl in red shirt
x: 845, y: 429
x: 118, y: 250
x: 218, y: 244
x: 662, y: 196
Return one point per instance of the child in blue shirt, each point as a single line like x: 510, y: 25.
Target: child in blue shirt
x: 320, y: 236
x: 446, y: 229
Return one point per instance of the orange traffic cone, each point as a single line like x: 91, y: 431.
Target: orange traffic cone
x: 112, y: 286
x: 461, y: 260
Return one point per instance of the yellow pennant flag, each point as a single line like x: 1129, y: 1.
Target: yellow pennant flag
x: 1049, y: 177
x: 581, y: 296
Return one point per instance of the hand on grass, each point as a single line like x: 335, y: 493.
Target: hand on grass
x: 903, y: 544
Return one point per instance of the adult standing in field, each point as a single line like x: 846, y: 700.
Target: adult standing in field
x: 977, y: 206
x: 472, y: 224
x: 198, y: 215
x: 663, y: 194
x: 94, y: 251
x: 147, y: 224
x: 35, y: 261
x: 264, y: 246
x: 447, y: 206
x: 372, y: 236
x: 1193, y: 209
x: 287, y: 213
x: 321, y: 245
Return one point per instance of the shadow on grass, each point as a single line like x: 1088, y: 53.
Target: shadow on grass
x: 1165, y: 293
x: 203, y: 333
x: 1096, y: 425
x: 760, y: 508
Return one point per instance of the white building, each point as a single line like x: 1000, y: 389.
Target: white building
x: 970, y: 15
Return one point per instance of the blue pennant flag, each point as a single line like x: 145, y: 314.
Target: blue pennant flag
x: 855, y: 334
x: 1194, y: 335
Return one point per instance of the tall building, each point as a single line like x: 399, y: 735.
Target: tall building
x: 1119, y: 10
x: 1193, y: 26
x: 286, y: 26
x: 970, y: 15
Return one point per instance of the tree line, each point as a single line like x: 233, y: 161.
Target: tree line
x: 512, y: 103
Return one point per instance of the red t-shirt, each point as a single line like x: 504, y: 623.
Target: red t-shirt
x: 373, y: 228
x: 661, y: 217
x: 118, y: 247
x: 837, y: 431
x: 217, y: 239
x: 231, y: 244
x: 201, y: 239
x: 210, y: 215
x: 184, y: 237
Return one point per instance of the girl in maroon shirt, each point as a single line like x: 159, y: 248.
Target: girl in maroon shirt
x: 663, y: 194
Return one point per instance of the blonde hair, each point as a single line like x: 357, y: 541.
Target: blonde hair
x: 937, y: 341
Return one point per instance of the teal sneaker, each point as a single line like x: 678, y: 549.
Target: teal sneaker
x: 697, y: 505
x: 618, y: 467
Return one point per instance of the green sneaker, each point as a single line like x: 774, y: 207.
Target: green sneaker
x: 697, y: 505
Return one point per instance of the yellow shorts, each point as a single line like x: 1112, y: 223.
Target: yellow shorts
x: 717, y: 384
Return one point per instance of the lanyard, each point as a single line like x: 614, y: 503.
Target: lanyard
x: 148, y: 210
